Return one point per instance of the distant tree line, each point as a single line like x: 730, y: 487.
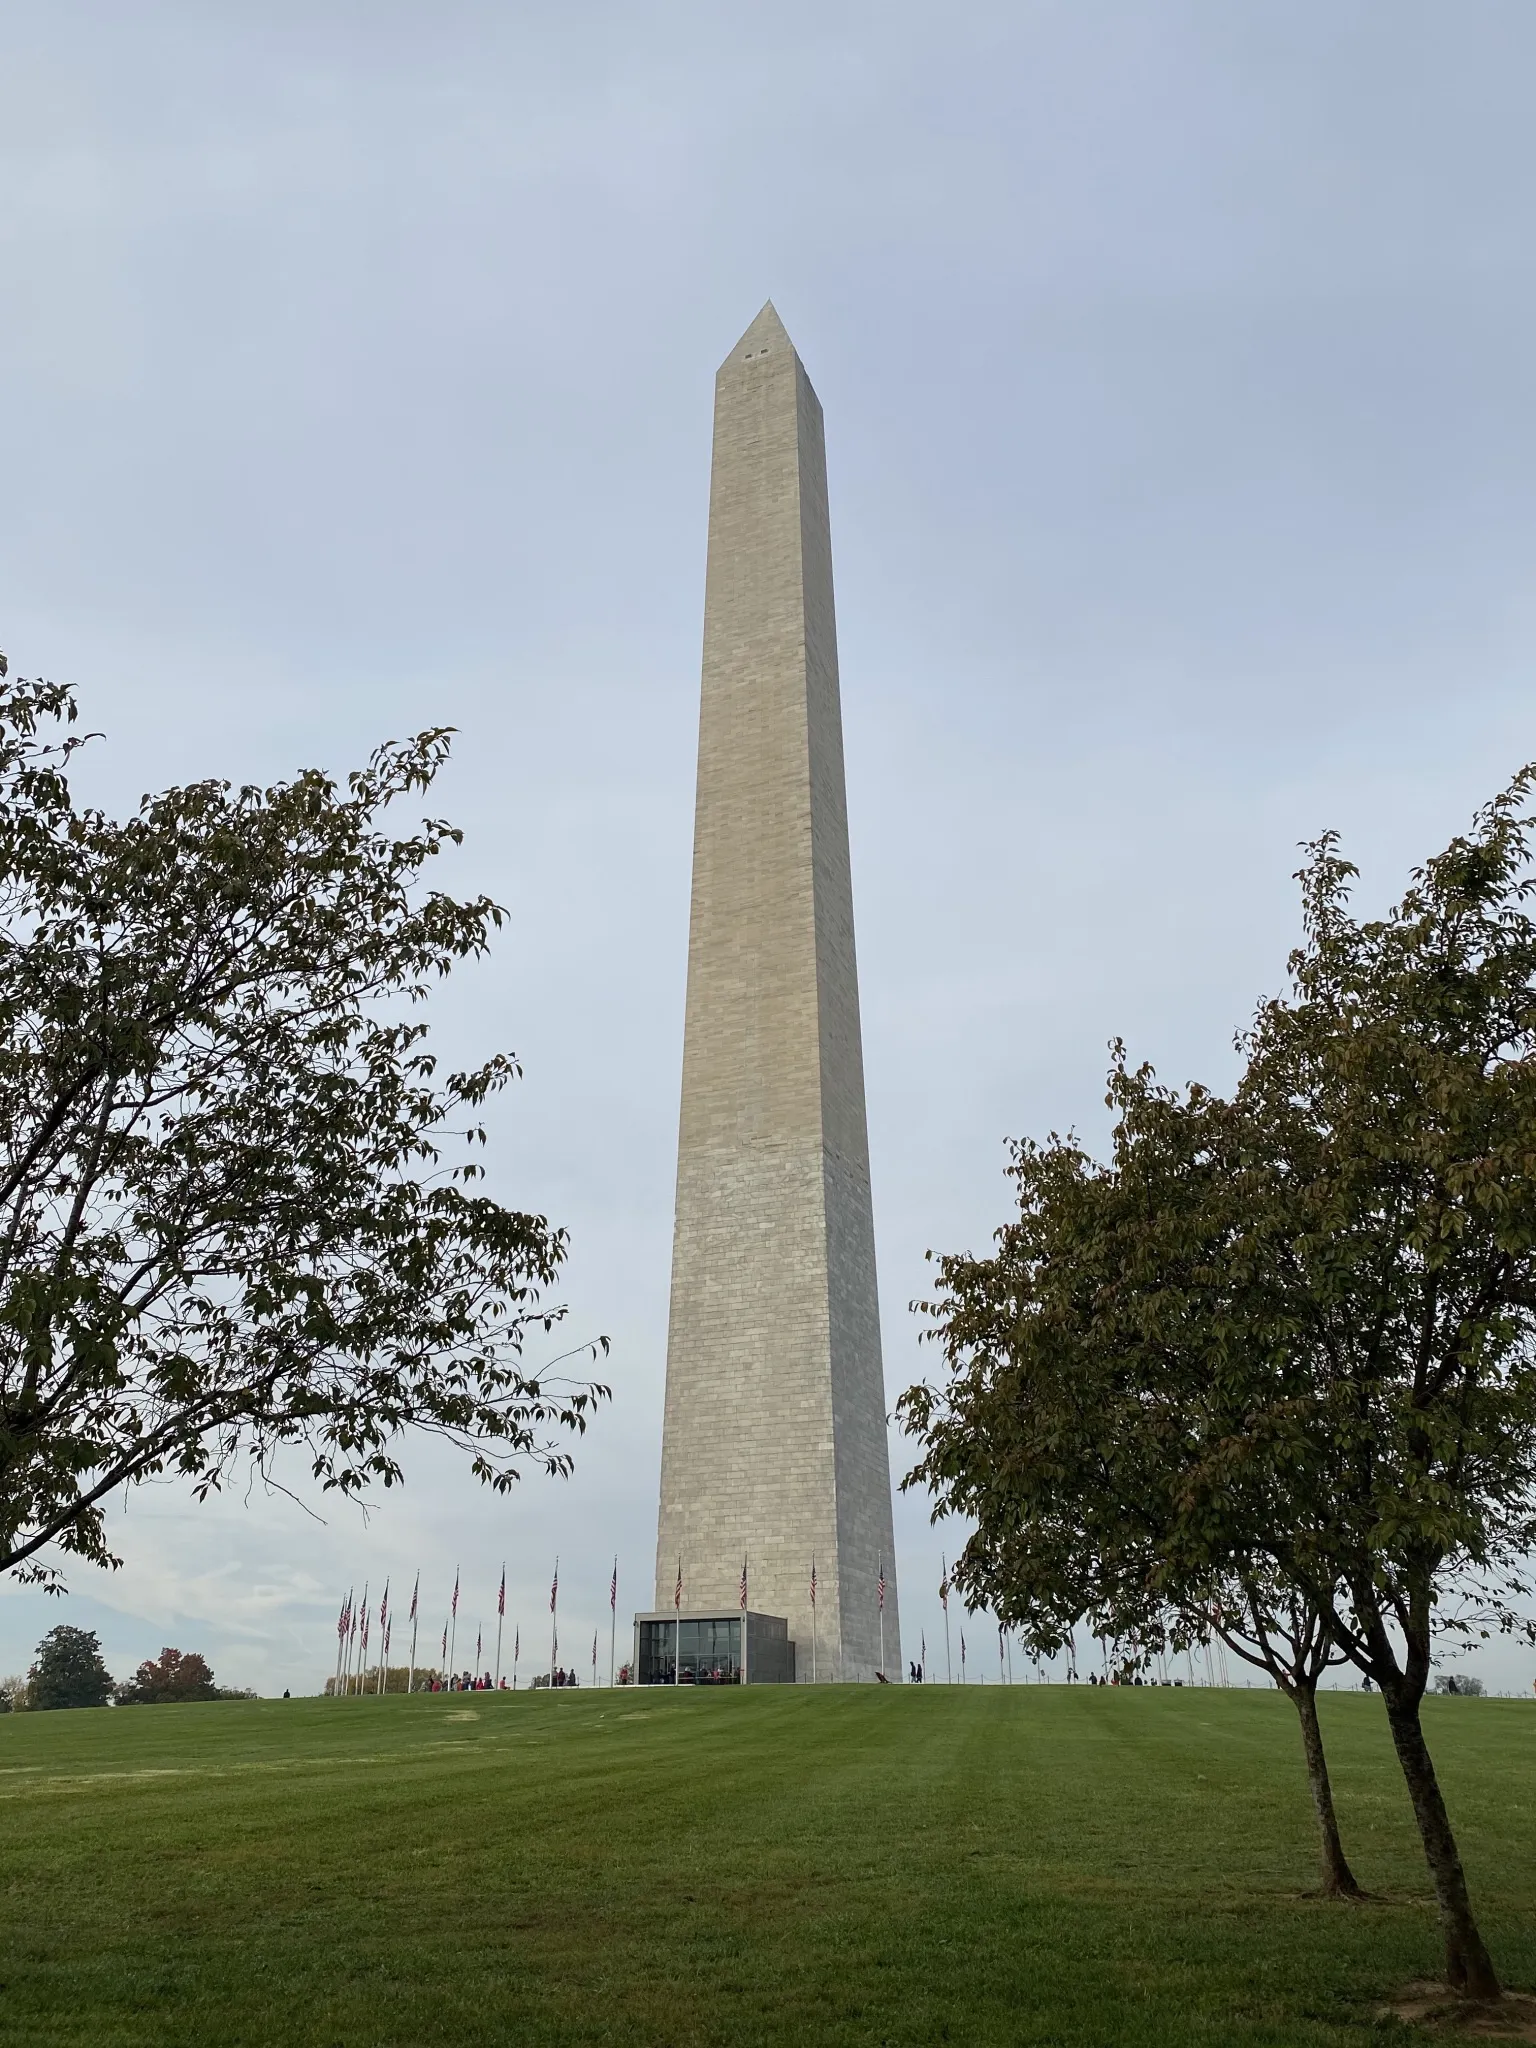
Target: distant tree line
x: 395, y: 1677
x: 69, y: 1672
x: 1268, y: 1374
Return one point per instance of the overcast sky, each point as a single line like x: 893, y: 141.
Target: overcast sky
x: 355, y: 374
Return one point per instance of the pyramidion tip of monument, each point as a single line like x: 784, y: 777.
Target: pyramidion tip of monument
x: 766, y: 333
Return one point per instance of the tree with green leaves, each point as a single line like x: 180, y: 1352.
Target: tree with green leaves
x: 1060, y: 1434
x: 69, y: 1671
x: 1315, y: 1299
x: 240, y: 1210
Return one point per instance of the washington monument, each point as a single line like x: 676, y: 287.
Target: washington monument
x: 774, y: 1449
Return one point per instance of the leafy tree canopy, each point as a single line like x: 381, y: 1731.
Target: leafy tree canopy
x: 173, y: 1675
x: 239, y: 1207
x: 1286, y: 1338
x: 69, y: 1671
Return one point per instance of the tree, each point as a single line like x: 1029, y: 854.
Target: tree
x: 1059, y: 1434
x: 228, y: 1218
x: 174, y: 1675
x: 395, y: 1676
x: 69, y: 1671
x: 1324, y: 1288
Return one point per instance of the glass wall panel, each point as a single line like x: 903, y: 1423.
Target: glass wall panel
x: 691, y: 1652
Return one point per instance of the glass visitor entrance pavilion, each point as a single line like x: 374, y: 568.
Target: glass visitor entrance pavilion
x: 713, y: 1649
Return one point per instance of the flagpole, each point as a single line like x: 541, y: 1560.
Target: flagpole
x: 613, y: 1619
x: 517, y: 1644
x: 882, y: 1614
x: 1000, y: 1678
x: 677, y: 1610
x: 383, y: 1638
x: 813, y: 1617
x: 501, y: 1610
x: 344, y: 1622
x: 554, y: 1622
x: 410, y: 1683
x: 594, y: 1660
x: 453, y: 1639
x: 356, y: 1644
x: 949, y: 1662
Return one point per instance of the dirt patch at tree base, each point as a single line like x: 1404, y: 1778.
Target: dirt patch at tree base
x: 1510, y: 2018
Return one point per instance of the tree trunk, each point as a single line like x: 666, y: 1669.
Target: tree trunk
x: 1468, y: 1966
x: 1338, y: 1878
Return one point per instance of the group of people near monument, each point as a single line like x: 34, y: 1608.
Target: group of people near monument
x: 466, y: 1681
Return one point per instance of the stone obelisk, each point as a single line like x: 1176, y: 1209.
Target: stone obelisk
x: 774, y: 1448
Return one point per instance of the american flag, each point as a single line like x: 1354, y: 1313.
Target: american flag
x: 677, y: 1590
x: 445, y: 1642
x: 554, y: 1587
x: 813, y: 1582
x: 365, y: 1628
x: 384, y: 1610
x: 477, y: 1652
x: 501, y: 1597
x: 743, y: 1585
x: 455, y: 1607
x: 880, y: 1587
x: 517, y: 1644
x: 344, y: 1624
x: 944, y: 1587
x: 962, y: 1646
x: 613, y: 1588
x: 414, y: 1591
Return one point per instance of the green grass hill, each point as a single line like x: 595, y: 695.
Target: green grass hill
x: 856, y: 1865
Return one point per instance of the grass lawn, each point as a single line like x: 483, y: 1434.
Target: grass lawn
x: 1024, y: 1865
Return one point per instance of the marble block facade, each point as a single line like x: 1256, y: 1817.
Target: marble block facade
x: 774, y: 1447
